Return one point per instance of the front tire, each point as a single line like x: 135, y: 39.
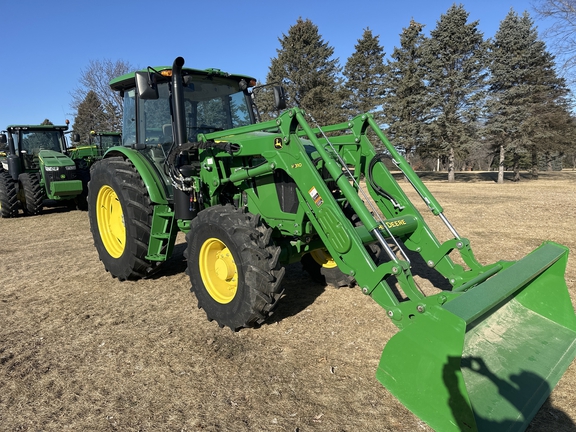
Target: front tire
x: 8, y: 196
x: 322, y: 268
x: 32, y: 194
x: 120, y: 213
x: 233, y: 266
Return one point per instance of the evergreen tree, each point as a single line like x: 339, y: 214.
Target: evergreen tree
x: 305, y: 67
x: 404, y: 110
x: 455, y: 62
x: 91, y: 116
x: 364, y: 73
x: 528, y: 111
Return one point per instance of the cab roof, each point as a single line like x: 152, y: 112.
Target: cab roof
x: 12, y: 128
x: 128, y: 81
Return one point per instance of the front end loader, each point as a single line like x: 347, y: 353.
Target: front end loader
x: 482, y: 353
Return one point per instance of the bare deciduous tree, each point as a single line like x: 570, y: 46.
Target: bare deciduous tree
x: 562, y: 32
x: 96, y: 77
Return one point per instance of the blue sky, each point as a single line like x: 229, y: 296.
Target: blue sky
x: 44, y: 45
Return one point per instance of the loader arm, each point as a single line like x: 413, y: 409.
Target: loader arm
x: 305, y: 154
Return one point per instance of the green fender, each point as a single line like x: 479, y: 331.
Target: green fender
x: 144, y: 167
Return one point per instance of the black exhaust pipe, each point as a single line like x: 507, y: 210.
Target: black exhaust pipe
x: 180, y: 136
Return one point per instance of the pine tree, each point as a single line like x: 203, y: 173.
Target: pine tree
x: 305, y: 67
x: 404, y: 110
x: 455, y: 61
x: 364, y: 73
x: 91, y: 116
x: 528, y: 111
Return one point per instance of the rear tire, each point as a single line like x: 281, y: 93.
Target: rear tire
x: 8, y: 196
x: 32, y: 195
x: 233, y: 266
x: 120, y: 214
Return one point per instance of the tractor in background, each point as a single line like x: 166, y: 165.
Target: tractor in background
x: 85, y: 155
x: 36, y: 168
x: 481, y: 353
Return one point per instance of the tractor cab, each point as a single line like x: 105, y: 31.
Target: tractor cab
x: 208, y: 100
x: 27, y: 141
x: 104, y: 140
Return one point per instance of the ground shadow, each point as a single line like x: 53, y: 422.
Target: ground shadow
x: 174, y: 265
x: 522, y: 391
x: 300, y: 291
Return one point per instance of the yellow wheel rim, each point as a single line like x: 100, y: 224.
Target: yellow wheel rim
x: 111, y: 221
x: 218, y: 270
x: 323, y: 257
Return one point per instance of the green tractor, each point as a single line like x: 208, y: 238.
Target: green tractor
x: 86, y: 155
x: 36, y: 168
x: 482, y: 353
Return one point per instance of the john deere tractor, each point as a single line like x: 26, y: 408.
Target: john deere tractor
x: 85, y: 155
x: 99, y: 141
x: 36, y: 168
x: 482, y: 353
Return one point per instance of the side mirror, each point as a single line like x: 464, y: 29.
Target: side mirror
x: 76, y: 137
x: 146, y: 85
x: 3, y: 139
x: 279, y: 97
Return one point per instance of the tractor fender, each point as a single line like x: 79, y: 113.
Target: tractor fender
x: 144, y: 167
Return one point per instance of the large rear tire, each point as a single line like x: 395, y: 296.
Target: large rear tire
x: 233, y: 266
x: 31, y: 193
x: 120, y: 213
x: 8, y: 196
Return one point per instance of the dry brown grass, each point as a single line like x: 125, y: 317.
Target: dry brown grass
x: 82, y: 351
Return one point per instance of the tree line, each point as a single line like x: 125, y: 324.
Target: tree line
x: 449, y: 101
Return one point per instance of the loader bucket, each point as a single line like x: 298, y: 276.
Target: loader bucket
x: 487, y: 359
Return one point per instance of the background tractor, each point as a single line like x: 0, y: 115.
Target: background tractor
x: 481, y: 353
x: 85, y: 155
x: 36, y: 168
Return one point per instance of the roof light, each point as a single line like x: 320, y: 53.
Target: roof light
x: 166, y: 72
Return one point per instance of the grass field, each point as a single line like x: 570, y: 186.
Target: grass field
x: 82, y: 351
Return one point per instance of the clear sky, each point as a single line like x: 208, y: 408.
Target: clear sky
x: 44, y: 45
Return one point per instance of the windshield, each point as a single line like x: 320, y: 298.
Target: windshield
x: 210, y: 104
x: 32, y: 142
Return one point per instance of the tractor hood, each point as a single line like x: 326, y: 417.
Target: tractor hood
x: 51, y: 158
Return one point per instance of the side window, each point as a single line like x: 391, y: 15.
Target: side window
x: 129, y: 118
x: 239, y: 110
x: 155, y: 121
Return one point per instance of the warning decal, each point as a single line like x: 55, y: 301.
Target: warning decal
x: 316, y: 196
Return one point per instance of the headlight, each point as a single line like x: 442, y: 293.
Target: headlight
x: 48, y: 168
x: 70, y: 167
